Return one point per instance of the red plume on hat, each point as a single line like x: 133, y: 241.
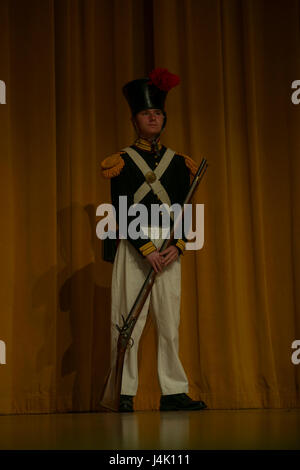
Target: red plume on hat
x: 163, y: 79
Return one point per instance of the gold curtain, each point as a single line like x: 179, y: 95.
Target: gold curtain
x: 64, y: 63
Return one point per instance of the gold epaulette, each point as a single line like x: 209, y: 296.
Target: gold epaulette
x: 112, y: 165
x: 190, y: 163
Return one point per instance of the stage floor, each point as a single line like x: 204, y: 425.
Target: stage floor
x: 208, y: 429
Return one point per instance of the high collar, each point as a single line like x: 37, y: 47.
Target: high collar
x: 144, y: 144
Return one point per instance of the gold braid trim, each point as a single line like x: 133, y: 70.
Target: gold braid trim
x: 147, y: 248
x: 190, y: 163
x: 112, y: 165
x: 181, y: 245
x: 150, y: 250
x: 144, y: 144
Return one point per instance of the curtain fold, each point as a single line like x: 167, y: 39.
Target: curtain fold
x: 64, y: 63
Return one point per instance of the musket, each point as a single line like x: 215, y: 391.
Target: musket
x: 112, y: 389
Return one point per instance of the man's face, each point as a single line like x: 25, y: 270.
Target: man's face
x: 149, y: 122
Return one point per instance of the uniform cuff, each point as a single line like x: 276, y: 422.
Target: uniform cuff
x: 181, y: 245
x: 148, y: 248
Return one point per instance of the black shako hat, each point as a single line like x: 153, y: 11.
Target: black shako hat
x: 150, y: 92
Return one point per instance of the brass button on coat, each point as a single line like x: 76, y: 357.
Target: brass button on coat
x: 150, y: 177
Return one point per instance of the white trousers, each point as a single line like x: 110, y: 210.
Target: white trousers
x: 129, y: 273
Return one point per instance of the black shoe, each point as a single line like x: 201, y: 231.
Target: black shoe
x: 126, y: 404
x: 180, y: 401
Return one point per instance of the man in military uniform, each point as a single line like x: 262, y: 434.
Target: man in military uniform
x: 148, y: 173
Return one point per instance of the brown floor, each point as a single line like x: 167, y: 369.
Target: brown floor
x: 209, y: 429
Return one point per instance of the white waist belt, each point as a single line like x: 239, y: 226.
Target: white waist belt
x: 156, y: 233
